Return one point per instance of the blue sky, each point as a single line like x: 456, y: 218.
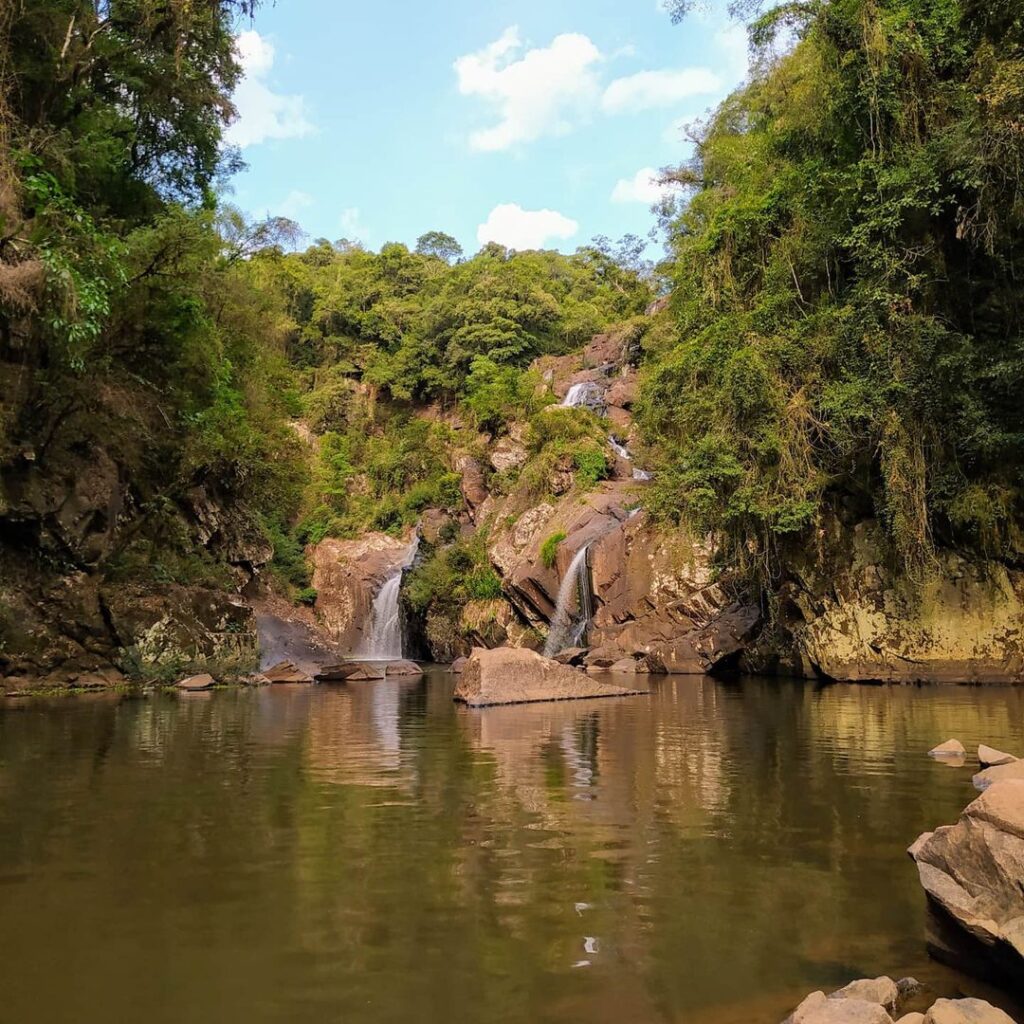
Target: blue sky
x: 532, y: 123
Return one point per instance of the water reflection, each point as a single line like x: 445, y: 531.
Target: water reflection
x: 372, y: 853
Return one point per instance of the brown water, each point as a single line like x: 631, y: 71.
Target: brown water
x: 373, y: 853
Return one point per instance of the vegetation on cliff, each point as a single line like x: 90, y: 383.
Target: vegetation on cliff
x: 847, y: 300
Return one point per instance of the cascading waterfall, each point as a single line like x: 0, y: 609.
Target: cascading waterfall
x: 567, y: 630
x: 383, y: 642
x: 623, y: 453
x: 585, y: 394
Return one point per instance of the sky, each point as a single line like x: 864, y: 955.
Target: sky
x: 533, y: 123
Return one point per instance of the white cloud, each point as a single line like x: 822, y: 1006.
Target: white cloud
x: 512, y: 226
x: 352, y: 226
x: 262, y: 113
x: 643, y: 187
x: 294, y: 203
x: 535, y: 93
x: 648, y: 89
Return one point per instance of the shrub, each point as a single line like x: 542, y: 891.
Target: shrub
x: 549, y: 549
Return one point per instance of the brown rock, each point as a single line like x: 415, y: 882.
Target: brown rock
x: 458, y: 666
x: 508, y: 454
x: 881, y: 990
x: 965, y: 1011
x: 819, y: 1009
x: 193, y: 684
x: 473, y: 489
x: 403, y: 668
x: 286, y: 672
x: 571, y: 655
x: 911, y: 1018
x: 336, y: 673
x: 514, y: 676
x: 991, y: 758
x: 367, y: 670
x: 603, y: 657
x: 999, y: 773
x: 708, y: 647
x: 971, y: 872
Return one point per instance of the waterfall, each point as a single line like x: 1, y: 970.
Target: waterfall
x: 383, y: 642
x: 620, y: 449
x: 565, y: 630
x: 585, y: 395
x: 623, y: 453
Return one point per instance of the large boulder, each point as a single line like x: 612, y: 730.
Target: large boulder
x: 972, y: 873
x: 714, y: 645
x: 516, y: 676
x: 966, y: 1011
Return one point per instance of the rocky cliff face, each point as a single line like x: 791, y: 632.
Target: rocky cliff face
x: 346, y: 576
x: 70, y: 508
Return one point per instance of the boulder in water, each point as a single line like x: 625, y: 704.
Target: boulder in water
x: 336, y: 673
x: 972, y: 874
x: 458, y: 666
x: 195, y: 684
x: 286, y: 672
x: 999, y: 773
x: 518, y: 675
x: 403, y: 668
x: 989, y: 757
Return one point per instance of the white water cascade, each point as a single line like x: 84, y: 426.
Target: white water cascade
x: 383, y: 642
x: 567, y: 629
x: 623, y: 453
x: 585, y: 394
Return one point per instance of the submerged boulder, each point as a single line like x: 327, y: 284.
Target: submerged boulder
x: 972, y: 874
x: 519, y: 675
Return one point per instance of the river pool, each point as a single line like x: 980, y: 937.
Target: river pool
x: 375, y: 854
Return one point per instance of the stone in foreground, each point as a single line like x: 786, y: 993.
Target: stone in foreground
x: 972, y: 874
x: 286, y: 672
x: 999, y: 773
x: 508, y: 675
x: 883, y: 991
x: 818, y: 1008
x: 949, y: 750
x: 992, y: 758
x: 195, y: 684
x: 458, y: 666
x: 965, y: 1011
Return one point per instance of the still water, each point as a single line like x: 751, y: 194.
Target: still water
x: 374, y: 854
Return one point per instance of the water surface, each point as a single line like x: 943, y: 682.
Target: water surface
x: 374, y: 854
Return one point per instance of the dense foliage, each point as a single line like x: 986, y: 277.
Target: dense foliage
x: 846, y: 293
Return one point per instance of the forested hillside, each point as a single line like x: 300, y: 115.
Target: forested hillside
x: 847, y: 286
x: 189, y: 400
